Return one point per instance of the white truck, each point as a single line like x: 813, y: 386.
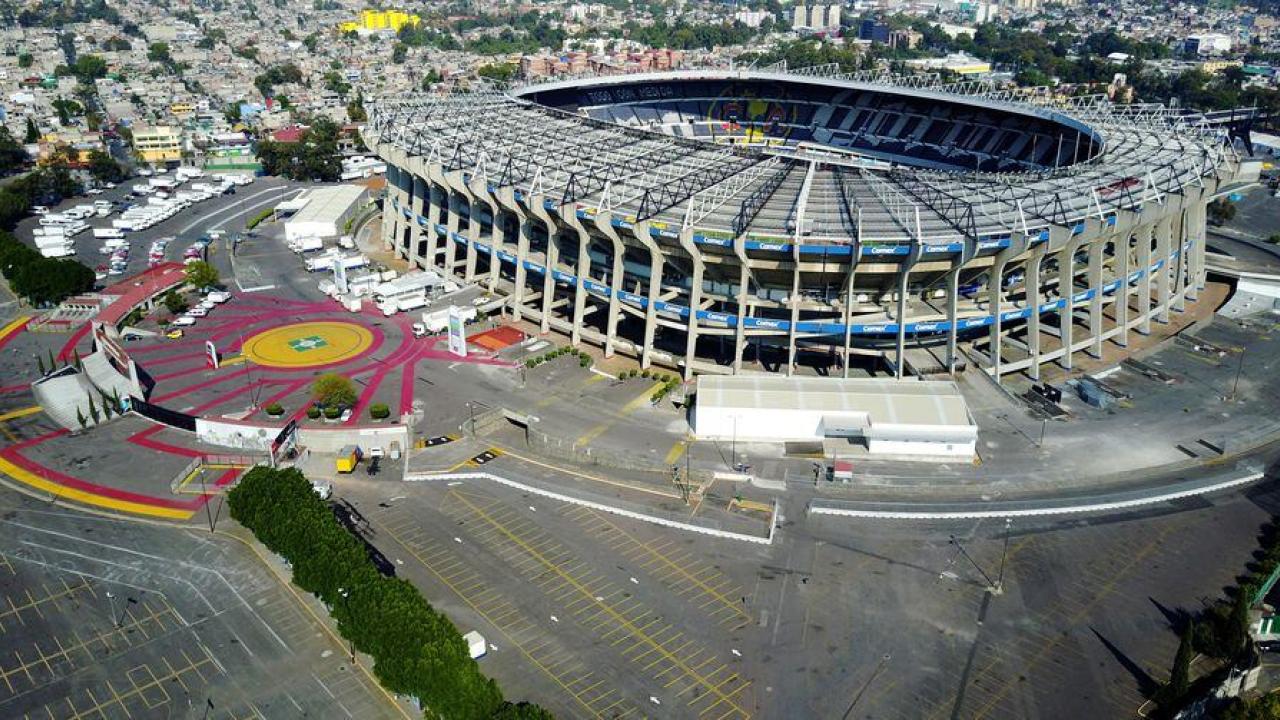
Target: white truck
x: 438, y: 320
x: 325, y: 262
x: 110, y: 233
x: 58, y: 252
x: 306, y: 245
x: 51, y: 241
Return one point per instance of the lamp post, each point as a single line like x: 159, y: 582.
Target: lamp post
x: 111, y: 598
x: 346, y: 610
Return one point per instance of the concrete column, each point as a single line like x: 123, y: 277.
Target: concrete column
x: 452, y: 222
x: 1164, y: 246
x: 995, y: 298
x: 391, y: 213
x: 793, y: 299
x: 502, y: 241
x: 1143, y: 257
x: 1095, y: 302
x: 436, y: 209
x: 744, y: 281
x: 1180, y: 267
x: 506, y: 197
x: 604, y: 224
x: 1067, y: 291
x: 581, y: 270
x: 1032, y: 270
x: 953, y: 302
x: 553, y: 259
x: 1124, y: 266
x: 900, y: 317
x: 848, y: 302
x: 458, y: 188
x: 419, y: 196
x: 1199, y: 234
x: 641, y: 230
x: 695, y: 300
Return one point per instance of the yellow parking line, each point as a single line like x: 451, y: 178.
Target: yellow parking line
x: 675, y: 452
x: 13, y: 414
x: 627, y: 409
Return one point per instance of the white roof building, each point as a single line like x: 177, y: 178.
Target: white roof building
x: 895, y: 417
x: 325, y: 211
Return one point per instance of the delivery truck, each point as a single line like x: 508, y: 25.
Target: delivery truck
x: 348, y: 457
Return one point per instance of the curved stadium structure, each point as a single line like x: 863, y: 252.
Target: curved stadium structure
x: 714, y: 218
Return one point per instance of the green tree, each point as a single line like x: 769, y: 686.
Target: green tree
x: 1237, y: 630
x: 88, y: 68
x: 25, y: 60
x: 159, y: 53
x: 93, y: 411
x: 48, y: 281
x: 174, y: 302
x: 104, y: 168
x: 201, y: 274
x: 1221, y: 211
x: 332, y: 390
x: 399, y: 52
x: 33, y: 132
x: 12, y: 155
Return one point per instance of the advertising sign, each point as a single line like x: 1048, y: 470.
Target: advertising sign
x: 211, y: 355
x: 457, y: 333
x: 340, y: 277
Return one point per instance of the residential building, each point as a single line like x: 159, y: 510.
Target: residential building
x: 158, y: 144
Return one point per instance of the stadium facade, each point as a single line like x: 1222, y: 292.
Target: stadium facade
x: 712, y: 220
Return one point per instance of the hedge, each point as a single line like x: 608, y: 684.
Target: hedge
x: 416, y: 650
x: 257, y: 220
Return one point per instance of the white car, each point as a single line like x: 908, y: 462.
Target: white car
x: 197, y: 311
x: 94, y: 191
x: 183, y: 321
x: 39, y: 210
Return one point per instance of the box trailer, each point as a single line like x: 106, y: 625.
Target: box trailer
x: 348, y: 457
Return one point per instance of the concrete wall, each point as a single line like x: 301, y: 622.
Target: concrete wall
x: 236, y: 435
x: 331, y: 439
x: 748, y: 425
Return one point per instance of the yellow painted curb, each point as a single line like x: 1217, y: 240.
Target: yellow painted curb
x: 30, y: 479
x: 20, y: 413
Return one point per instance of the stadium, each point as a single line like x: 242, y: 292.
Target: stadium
x: 718, y: 221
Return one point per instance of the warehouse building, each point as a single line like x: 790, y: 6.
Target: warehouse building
x: 891, y: 417
x: 323, y: 212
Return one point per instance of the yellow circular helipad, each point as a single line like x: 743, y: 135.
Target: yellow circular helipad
x: 307, y: 344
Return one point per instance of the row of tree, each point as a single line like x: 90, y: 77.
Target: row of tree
x: 416, y: 650
x: 314, y: 156
x: 41, y: 280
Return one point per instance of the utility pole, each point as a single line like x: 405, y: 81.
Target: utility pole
x: 111, y: 598
x: 990, y: 584
x: 204, y: 493
x: 1008, y: 528
x: 346, y: 608
x: 1239, y: 368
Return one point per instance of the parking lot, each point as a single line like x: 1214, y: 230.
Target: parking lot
x: 102, y: 618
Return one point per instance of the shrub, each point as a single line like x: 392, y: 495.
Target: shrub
x: 275, y: 409
x: 313, y: 412
x: 644, y: 373
x: 531, y: 363
x: 379, y: 411
x: 332, y: 412
x: 332, y: 389
x: 258, y: 219
x: 584, y: 360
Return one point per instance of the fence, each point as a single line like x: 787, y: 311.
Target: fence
x: 643, y: 517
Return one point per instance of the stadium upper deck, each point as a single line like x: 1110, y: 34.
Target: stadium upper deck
x: 813, y: 208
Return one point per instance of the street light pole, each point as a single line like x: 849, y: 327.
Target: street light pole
x: 1239, y: 368
x: 990, y: 584
x: 346, y: 610
x: 1008, y: 528
x: 111, y: 598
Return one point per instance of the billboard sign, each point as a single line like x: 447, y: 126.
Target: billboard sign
x: 457, y: 333
x: 340, y: 277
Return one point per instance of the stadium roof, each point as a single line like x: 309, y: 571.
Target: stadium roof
x: 1146, y: 151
